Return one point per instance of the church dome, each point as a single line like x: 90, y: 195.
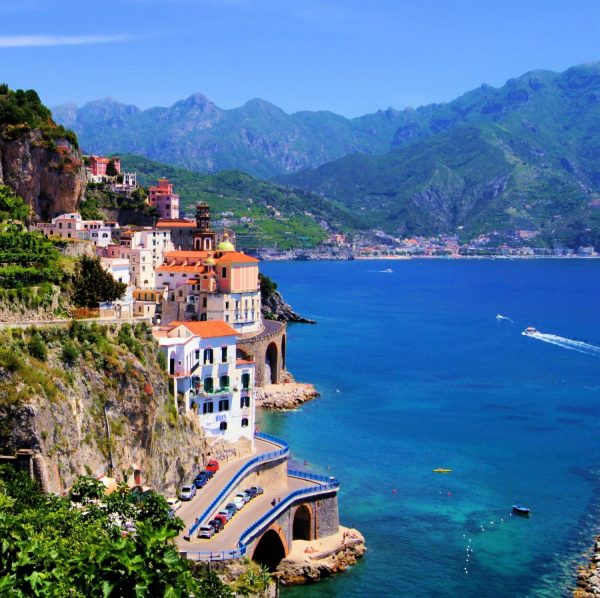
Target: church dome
x: 226, y: 244
x: 209, y: 261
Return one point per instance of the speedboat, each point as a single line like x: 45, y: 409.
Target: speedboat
x: 521, y: 510
x: 441, y: 470
x: 530, y: 330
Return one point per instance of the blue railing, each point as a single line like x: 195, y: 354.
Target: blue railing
x: 325, y: 485
x: 282, y: 452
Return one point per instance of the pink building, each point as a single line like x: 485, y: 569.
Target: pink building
x: 98, y: 165
x: 163, y: 198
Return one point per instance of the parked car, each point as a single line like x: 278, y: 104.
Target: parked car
x: 200, y: 480
x: 245, y: 497
x: 174, y: 504
x: 217, y: 524
x: 212, y: 465
x: 206, y: 531
x: 256, y: 490
x: 238, y: 501
x: 226, y: 514
x: 209, y: 474
x: 222, y: 517
x: 187, y: 492
x: 230, y: 506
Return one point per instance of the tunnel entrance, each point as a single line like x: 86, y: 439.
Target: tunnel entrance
x: 269, y: 551
x: 302, y: 524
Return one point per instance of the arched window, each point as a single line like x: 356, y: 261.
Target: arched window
x: 223, y: 426
x: 244, y: 422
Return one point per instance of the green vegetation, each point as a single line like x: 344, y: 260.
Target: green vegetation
x: 267, y: 286
x: 260, y: 213
x: 52, y: 549
x: 22, y: 111
x: 99, y: 196
x: 93, y: 285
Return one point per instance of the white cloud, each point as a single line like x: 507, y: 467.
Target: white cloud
x: 30, y: 41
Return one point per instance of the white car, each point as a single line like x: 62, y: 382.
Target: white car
x: 174, y: 504
x: 238, y: 501
x: 187, y: 492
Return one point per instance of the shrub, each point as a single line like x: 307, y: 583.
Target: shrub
x: 37, y: 347
x: 69, y: 353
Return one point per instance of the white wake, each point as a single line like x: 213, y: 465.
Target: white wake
x: 500, y: 317
x: 565, y: 343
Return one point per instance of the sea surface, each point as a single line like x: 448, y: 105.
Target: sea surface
x: 416, y: 372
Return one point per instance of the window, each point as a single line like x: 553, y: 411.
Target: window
x: 224, y: 405
x: 227, y: 317
x: 223, y: 426
x: 223, y: 272
x: 246, y: 381
x: 244, y: 422
x: 245, y: 402
x: 208, y: 384
x: 226, y: 304
x: 197, y: 354
x: 208, y: 356
x: 207, y: 407
x: 223, y: 354
x: 203, y: 301
x: 224, y: 382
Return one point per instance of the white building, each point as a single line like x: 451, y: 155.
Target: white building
x: 72, y: 226
x: 208, y: 377
x: 118, y: 268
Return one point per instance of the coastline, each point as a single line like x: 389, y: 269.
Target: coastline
x: 430, y: 257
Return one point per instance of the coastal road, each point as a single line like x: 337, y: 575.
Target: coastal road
x: 204, y: 496
x: 228, y: 537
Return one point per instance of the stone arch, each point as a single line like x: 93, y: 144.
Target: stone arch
x: 283, y: 349
x: 302, y: 523
x: 271, y: 548
x: 272, y: 364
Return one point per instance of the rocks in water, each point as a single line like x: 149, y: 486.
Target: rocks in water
x: 311, y: 561
x: 285, y: 396
x: 274, y: 307
x: 588, y: 578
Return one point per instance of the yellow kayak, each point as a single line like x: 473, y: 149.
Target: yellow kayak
x: 441, y: 470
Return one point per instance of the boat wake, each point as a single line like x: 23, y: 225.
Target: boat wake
x: 500, y: 317
x: 565, y: 343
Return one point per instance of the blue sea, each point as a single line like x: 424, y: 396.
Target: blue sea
x: 416, y: 372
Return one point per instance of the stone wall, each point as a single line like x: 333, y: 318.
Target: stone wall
x: 269, y: 351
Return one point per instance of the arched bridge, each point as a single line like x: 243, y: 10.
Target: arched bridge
x: 305, y: 507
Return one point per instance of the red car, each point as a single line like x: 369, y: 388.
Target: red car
x: 212, y: 465
x: 222, y: 519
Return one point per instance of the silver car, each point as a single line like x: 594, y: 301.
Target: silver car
x: 206, y: 531
x: 187, y: 492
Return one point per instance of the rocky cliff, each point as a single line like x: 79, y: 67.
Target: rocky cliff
x: 49, y: 175
x: 274, y: 307
x: 94, y: 400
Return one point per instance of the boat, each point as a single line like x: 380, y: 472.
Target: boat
x: 441, y: 470
x: 521, y: 510
x: 530, y: 330
x: 387, y: 271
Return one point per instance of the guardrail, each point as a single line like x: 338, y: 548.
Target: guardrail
x: 282, y: 452
x: 325, y: 485
x: 249, y: 534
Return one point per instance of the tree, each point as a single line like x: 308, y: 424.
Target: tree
x: 111, y: 169
x: 86, y: 489
x: 12, y: 207
x: 93, y: 285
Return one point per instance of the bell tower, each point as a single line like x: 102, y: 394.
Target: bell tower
x: 204, y: 236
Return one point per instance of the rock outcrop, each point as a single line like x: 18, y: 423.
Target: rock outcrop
x: 286, y: 396
x: 274, y: 307
x: 311, y: 561
x: 109, y: 412
x: 588, y: 578
x: 48, y: 174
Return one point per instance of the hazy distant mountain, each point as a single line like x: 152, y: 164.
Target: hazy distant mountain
x: 526, y: 155
x: 258, y: 138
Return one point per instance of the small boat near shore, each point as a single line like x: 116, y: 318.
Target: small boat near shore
x: 441, y: 470
x: 521, y: 510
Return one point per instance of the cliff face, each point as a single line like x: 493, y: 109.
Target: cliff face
x: 50, y: 176
x: 274, y: 307
x: 98, y: 399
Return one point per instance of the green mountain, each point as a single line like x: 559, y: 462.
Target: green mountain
x: 258, y: 138
x: 262, y: 214
x: 524, y: 156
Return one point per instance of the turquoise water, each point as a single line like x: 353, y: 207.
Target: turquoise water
x: 417, y: 373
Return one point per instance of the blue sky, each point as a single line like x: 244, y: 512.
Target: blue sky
x: 348, y: 56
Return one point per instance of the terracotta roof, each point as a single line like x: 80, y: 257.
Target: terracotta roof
x: 196, y: 269
x: 167, y: 223
x: 186, y: 254
x: 236, y: 257
x: 210, y: 329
